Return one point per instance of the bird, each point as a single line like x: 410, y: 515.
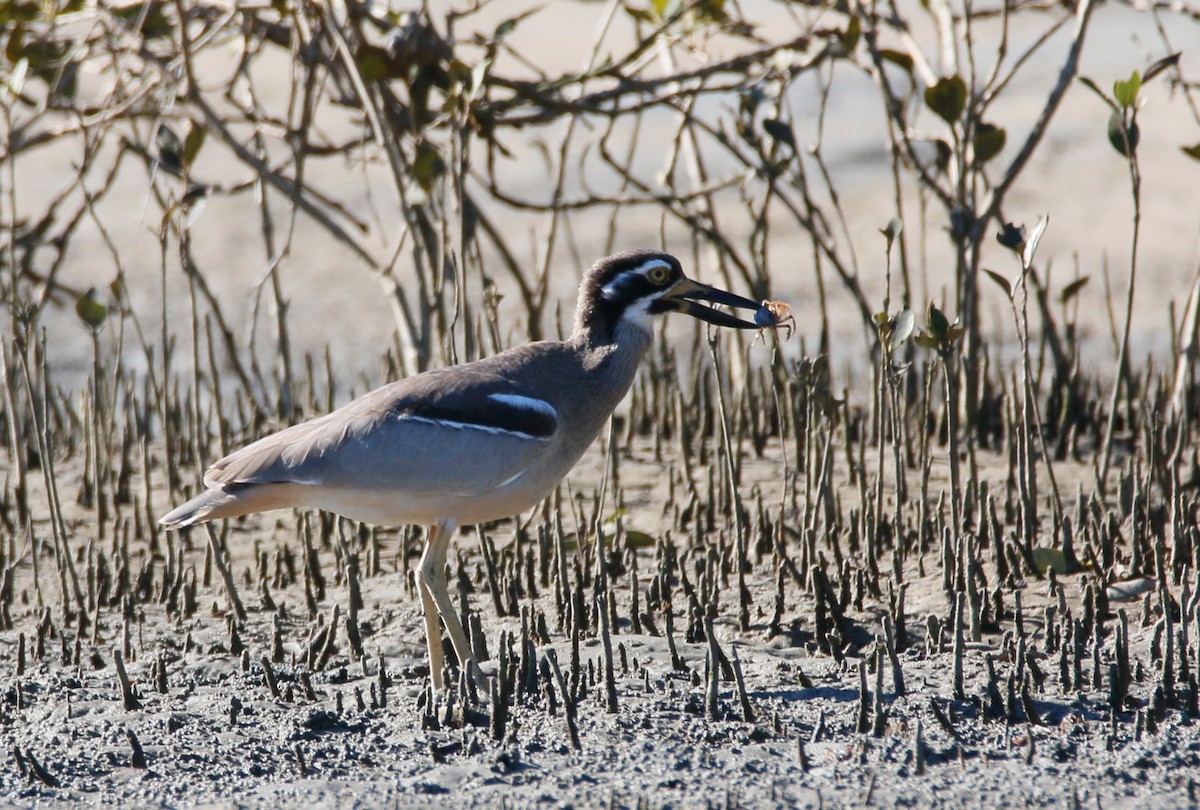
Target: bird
x: 470, y: 443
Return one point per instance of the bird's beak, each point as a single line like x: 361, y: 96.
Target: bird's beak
x: 686, y: 295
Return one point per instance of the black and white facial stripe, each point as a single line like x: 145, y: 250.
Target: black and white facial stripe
x: 645, y: 280
x: 629, y: 287
x: 516, y: 415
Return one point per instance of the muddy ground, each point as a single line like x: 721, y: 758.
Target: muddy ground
x: 345, y: 735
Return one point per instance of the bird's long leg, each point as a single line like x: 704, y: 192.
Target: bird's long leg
x: 433, y: 629
x: 434, y: 572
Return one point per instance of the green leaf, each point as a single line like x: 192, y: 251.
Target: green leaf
x: 780, y: 131
x: 155, y: 23
x: 711, y: 11
x: 1072, y: 289
x: 640, y: 14
x: 508, y: 26
x: 989, y: 141
x: 942, y: 154
x: 748, y: 101
x: 1125, y: 93
x: 1046, y: 559
x: 428, y: 166
x: 1123, y: 136
x: 192, y: 143
x: 373, y: 63
x: 1001, y: 282
x: 936, y: 322
x: 636, y: 539
x: 1191, y: 151
x: 18, y: 12
x: 170, y: 149
x: 89, y: 310
x: 852, y: 34
x: 925, y: 341
x: 947, y: 98
x: 663, y: 8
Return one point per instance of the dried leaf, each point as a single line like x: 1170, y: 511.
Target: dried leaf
x: 1012, y: 236
x: 1095, y: 88
x: 16, y: 80
x: 892, y: 231
x: 780, y: 131
x: 1001, y: 282
x: 1072, y: 289
x: 898, y: 58
x: 1031, y: 243
x: 902, y: 327
x: 1161, y: 65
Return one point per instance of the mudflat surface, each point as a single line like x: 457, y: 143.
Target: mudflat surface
x: 217, y: 737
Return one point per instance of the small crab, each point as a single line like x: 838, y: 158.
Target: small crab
x: 773, y: 314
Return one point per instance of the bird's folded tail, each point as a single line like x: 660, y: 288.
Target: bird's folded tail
x: 227, y: 501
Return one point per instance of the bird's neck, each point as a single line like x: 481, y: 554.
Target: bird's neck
x: 617, y: 345
x: 611, y: 359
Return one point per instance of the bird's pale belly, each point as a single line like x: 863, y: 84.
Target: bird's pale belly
x: 426, y: 508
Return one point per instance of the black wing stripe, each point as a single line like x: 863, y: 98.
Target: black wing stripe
x: 487, y: 414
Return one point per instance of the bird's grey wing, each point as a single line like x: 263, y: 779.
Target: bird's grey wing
x: 461, y: 431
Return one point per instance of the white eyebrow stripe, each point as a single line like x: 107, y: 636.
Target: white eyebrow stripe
x: 455, y: 425
x: 643, y: 269
x: 610, y: 289
x: 525, y: 403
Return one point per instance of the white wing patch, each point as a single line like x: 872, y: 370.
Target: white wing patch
x: 525, y: 403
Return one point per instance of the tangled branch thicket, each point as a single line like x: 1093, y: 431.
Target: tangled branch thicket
x: 459, y: 171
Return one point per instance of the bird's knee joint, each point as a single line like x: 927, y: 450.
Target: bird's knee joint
x: 428, y: 574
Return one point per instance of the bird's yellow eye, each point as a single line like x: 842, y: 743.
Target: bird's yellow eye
x: 658, y: 274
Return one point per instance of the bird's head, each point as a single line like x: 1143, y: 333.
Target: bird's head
x: 630, y: 289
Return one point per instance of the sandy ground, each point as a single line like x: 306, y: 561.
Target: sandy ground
x: 328, y: 750
x: 342, y: 746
